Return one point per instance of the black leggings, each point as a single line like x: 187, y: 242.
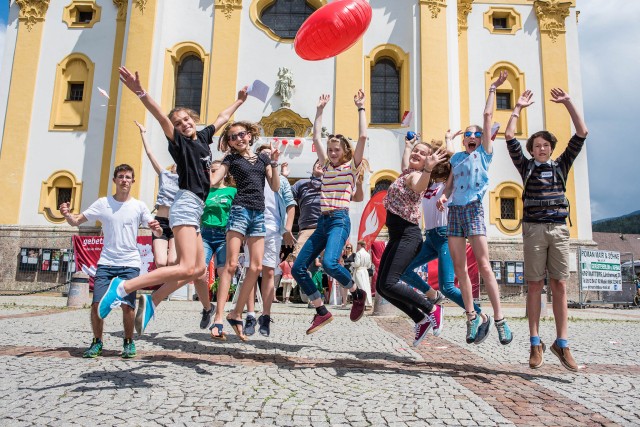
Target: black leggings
x: 404, y: 245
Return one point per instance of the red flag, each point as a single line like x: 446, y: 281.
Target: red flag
x: 373, y: 219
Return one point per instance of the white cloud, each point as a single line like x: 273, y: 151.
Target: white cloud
x: 609, y: 38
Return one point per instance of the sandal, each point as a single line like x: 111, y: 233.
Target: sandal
x: 237, y: 328
x: 221, y: 336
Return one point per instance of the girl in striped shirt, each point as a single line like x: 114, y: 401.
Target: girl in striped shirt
x: 342, y: 165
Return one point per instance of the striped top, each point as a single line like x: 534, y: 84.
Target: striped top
x: 338, y: 184
x: 541, y: 184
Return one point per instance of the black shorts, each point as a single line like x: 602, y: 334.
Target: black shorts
x: 167, y: 233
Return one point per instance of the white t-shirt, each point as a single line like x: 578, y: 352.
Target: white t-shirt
x: 271, y: 214
x: 120, y: 223
x: 433, y: 218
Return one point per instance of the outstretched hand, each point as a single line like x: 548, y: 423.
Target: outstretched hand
x: 275, y: 153
x: 358, y: 98
x: 155, y: 227
x: 501, y: 78
x: 436, y: 157
x: 449, y: 136
x: 323, y: 100
x: 140, y: 126
x: 243, y: 93
x: 559, y: 96
x: 132, y: 81
x: 525, y: 99
x: 441, y: 202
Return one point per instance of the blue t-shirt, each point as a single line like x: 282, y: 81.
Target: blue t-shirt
x: 470, y: 176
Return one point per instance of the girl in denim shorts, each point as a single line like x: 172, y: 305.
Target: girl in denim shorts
x: 466, y: 185
x: 189, y: 148
x: 246, y: 218
x: 342, y: 165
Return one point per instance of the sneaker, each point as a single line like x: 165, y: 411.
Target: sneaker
x: 536, y: 356
x: 249, y: 326
x: 110, y: 299
x: 357, y: 308
x: 422, y: 329
x: 265, y: 325
x: 94, y: 351
x: 504, y: 332
x: 206, y: 317
x: 564, y: 354
x: 144, y: 314
x: 472, y: 328
x: 318, y: 322
x: 439, y: 299
x: 128, y: 350
x: 437, y: 319
x: 483, y: 330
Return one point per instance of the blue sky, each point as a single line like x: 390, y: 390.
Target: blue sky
x: 609, y: 40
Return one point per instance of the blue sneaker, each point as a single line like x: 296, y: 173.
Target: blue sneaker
x: 472, y: 328
x: 144, y: 314
x: 504, y: 332
x: 110, y: 299
x: 483, y: 330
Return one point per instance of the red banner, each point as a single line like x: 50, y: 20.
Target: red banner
x: 472, y: 269
x: 373, y: 219
x: 87, y: 251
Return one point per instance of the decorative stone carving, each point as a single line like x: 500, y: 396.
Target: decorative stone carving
x: 140, y: 4
x: 435, y: 6
x: 122, y: 8
x: 228, y: 6
x: 551, y: 15
x: 32, y: 11
x: 284, y: 86
x: 285, y: 118
x: 464, y: 8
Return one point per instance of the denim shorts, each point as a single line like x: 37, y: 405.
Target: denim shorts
x: 214, y: 240
x: 103, y: 277
x: 248, y: 222
x: 467, y: 220
x: 187, y: 209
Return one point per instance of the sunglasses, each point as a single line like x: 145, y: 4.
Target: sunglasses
x: 238, y: 135
x: 467, y: 134
x: 349, y: 247
x: 338, y: 136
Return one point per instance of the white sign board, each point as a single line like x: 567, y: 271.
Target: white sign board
x: 600, y: 270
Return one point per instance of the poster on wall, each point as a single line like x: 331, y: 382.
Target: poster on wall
x: 600, y: 270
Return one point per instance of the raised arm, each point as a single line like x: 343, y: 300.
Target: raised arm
x: 559, y: 96
x: 132, y: 81
x: 523, y: 102
x: 273, y: 176
x: 226, y: 114
x: 72, y: 219
x: 419, y: 181
x: 218, y: 175
x: 358, y: 153
x: 408, y: 146
x: 147, y: 149
x: 448, y: 139
x: 488, y: 112
x: 317, y: 129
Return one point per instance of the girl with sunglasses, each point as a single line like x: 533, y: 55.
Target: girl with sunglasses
x: 466, y: 185
x: 190, y: 150
x: 246, y: 218
x: 341, y: 167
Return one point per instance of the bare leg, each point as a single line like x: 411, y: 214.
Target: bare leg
x: 481, y: 252
x: 560, y: 311
x: 160, y: 248
x: 234, y: 241
x: 97, y: 324
x: 172, y: 255
x: 128, y: 317
x: 256, y: 252
x: 534, y: 294
x: 458, y: 249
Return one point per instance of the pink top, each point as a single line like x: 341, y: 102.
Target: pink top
x: 285, y: 266
x: 403, y: 201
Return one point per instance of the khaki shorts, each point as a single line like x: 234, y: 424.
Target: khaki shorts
x: 546, y: 248
x: 303, y: 236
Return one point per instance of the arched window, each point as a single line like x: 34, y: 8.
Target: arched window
x: 385, y: 92
x: 189, y: 83
x: 285, y: 17
x: 383, y: 184
x: 72, y: 94
x: 507, y: 95
x: 61, y: 187
x: 506, y: 208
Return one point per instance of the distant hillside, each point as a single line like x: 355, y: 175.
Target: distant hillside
x: 626, y: 224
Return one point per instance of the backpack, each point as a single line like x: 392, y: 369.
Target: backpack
x: 557, y: 174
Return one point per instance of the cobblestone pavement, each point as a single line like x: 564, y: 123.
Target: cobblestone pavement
x: 360, y: 374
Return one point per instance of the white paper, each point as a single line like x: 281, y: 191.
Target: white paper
x: 258, y: 89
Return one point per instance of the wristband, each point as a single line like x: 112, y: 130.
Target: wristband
x: 141, y: 95
x: 274, y: 164
x: 492, y: 89
x: 361, y: 109
x: 516, y: 115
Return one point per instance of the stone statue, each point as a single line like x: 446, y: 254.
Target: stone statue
x: 284, y: 86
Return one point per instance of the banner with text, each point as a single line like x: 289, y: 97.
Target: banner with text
x: 600, y: 270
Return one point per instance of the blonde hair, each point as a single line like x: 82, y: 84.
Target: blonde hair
x: 252, y: 128
x: 345, y: 144
x: 195, y: 116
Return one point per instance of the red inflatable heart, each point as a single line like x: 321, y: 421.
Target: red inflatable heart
x: 332, y: 29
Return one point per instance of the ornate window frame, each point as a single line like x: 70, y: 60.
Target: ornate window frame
x: 514, y: 21
x: 401, y: 59
x: 49, y: 195
x: 256, y: 8
x: 511, y: 190
x: 71, y: 11
x: 172, y: 59
x: 286, y: 118
x: 382, y: 174
x: 515, y: 85
x: 67, y: 115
